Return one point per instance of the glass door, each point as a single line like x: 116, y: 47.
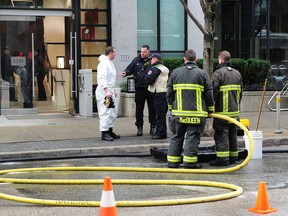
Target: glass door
x: 17, y: 61
x: 36, y: 62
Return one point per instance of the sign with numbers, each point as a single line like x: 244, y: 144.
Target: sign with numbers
x: 18, y: 61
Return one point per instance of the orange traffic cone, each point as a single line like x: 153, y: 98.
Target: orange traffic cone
x: 107, y: 204
x: 262, y: 203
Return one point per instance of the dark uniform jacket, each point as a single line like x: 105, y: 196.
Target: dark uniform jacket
x: 157, y: 78
x: 6, y: 67
x: 190, y: 92
x: 228, y: 88
x: 138, y: 68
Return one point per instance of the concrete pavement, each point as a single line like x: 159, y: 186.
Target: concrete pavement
x: 61, y: 134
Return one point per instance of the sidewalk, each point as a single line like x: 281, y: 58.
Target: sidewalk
x: 60, y: 134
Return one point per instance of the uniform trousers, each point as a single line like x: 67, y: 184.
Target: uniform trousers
x: 161, y: 109
x: 141, y: 95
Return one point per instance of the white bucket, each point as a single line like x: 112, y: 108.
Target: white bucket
x: 257, y: 137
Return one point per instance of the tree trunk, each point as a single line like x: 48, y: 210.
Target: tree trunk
x: 208, y: 56
x: 208, y: 53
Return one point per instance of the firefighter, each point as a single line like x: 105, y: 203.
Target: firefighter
x: 190, y: 99
x: 227, y: 88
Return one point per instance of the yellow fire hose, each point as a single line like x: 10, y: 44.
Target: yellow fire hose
x: 236, y: 190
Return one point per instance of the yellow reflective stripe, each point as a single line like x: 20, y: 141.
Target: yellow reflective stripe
x: 170, y: 106
x: 189, y: 113
x: 238, y: 98
x: 233, y: 154
x: 188, y: 159
x: 222, y: 154
x: 225, y: 101
x: 230, y: 88
x: 211, y: 108
x: 199, y: 100
x: 173, y: 159
x: 230, y: 114
x: 225, y: 89
x: 179, y: 99
x: 188, y: 86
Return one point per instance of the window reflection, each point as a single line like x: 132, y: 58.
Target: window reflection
x: 64, y: 4
x: 89, y: 4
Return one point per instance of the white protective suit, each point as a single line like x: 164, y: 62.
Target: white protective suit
x: 106, y: 77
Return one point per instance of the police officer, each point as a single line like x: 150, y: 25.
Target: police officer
x: 190, y: 99
x: 139, y: 67
x: 228, y: 86
x: 157, y: 78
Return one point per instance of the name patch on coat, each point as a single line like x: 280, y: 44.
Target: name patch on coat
x: 189, y: 120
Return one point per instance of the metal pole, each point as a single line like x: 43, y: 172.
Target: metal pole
x: 33, y: 68
x: 278, y: 130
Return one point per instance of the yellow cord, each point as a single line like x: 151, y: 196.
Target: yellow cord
x: 236, y: 189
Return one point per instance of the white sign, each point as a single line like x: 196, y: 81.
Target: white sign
x: 18, y: 61
x: 124, y: 58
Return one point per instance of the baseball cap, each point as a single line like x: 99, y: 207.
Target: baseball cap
x: 6, y: 48
x: 156, y: 55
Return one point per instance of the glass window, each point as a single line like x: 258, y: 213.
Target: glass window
x: 36, y: 3
x: 147, y: 23
x: 89, y: 62
x: 93, y: 33
x: 89, y: 4
x: 278, y: 32
x: 161, y: 25
x: 95, y: 36
x: 93, y: 48
x: 93, y: 17
x: 172, y: 25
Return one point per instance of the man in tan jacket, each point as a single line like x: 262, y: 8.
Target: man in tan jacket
x: 157, y: 78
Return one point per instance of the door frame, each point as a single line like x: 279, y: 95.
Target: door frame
x: 30, y: 15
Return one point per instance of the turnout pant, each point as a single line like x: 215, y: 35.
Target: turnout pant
x: 225, y: 139
x: 191, y: 134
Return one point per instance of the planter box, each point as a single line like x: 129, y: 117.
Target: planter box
x: 127, y: 105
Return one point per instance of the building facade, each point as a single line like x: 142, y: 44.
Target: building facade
x: 76, y: 32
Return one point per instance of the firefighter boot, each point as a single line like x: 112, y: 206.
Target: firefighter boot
x: 112, y: 134
x: 192, y: 166
x: 106, y: 136
x: 152, y: 129
x: 233, y: 160
x: 220, y: 162
x: 173, y: 165
x: 139, y: 130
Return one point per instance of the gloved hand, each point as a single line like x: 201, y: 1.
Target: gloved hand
x: 109, y: 103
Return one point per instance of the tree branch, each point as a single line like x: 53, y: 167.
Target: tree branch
x: 198, y: 24
x: 204, y: 7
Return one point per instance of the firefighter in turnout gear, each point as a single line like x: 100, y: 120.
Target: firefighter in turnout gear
x: 190, y: 99
x: 227, y: 90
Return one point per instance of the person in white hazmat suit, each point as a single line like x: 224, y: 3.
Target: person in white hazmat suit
x: 105, y: 94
